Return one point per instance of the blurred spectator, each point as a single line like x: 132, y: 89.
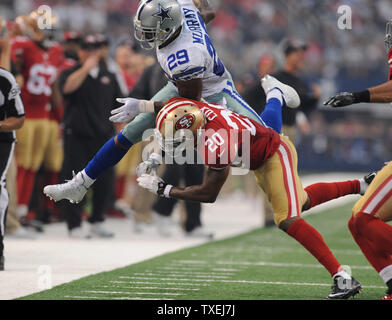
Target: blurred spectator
x: 255, y: 95
x: 126, y: 58
x: 111, y: 65
x: 89, y: 91
x: 294, y: 52
x: 33, y: 59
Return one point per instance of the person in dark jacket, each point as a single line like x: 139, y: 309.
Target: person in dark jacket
x: 294, y: 52
x: 90, y: 91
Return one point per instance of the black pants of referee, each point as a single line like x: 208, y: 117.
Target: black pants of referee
x: 6, y: 153
x: 192, y: 174
x: 78, y: 151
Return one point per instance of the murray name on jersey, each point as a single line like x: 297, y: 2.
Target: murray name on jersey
x: 193, y: 23
x: 192, y: 55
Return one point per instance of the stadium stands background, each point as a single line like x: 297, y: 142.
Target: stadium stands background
x: 337, y: 60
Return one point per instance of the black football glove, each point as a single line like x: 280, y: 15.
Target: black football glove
x: 341, y: 100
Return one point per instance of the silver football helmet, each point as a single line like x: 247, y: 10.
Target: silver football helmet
x: 156, y: 21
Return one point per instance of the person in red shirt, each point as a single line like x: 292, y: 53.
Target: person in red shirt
x: 37, y: 64
x: 222, y: 138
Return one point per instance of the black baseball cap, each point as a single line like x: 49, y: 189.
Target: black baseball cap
x: 102, y: 40
x: 72, y: 36
x: 293, y: 46
x: 89, y: 42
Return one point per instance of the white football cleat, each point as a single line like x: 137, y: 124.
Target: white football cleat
x: 164, y: 224
x: 73, y: 190
x: 200, y: 232
x: 98, y: 230
x: 290, y: 95
x: 78, y: 233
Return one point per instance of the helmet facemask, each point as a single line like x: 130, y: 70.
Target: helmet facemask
x: 180, y: 130
x: 150, y: 38
x: 156, y: 21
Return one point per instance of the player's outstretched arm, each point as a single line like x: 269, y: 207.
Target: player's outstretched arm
x: 206, y: 192
x: 378, y: 94
x: 207, y: 12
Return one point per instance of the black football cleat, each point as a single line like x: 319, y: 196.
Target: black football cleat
x: 1, y: 263
x: 344, y: 288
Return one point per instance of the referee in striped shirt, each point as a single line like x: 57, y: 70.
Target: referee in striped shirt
x: 11, y: 118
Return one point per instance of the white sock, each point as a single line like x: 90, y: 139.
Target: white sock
x: 386, y: 273
x: 275, y: 93
x: 343, y: 274
x: 87, y: 180
x: 362, y: 185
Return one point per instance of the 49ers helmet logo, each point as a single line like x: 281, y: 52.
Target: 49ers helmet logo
x: 185, y: 122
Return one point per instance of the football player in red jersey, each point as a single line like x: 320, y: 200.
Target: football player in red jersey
x: 36, y: 63
x: 221, y: 136
x: 368, y: 224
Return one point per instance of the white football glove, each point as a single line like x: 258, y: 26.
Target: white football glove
x: 131, y: 108
x: 149, y: 166
x: 154, y: 184
x: 127, y: 112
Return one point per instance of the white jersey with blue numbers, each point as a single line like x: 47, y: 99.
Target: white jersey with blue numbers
x: 192, y: 54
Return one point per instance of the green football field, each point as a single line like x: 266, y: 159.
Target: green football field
x: 262, y: 264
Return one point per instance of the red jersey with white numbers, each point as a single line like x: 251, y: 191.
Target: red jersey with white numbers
x: 39, y: 73
x: 230, y: 139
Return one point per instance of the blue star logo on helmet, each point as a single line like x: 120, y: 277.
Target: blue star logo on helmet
x: 163, y: 14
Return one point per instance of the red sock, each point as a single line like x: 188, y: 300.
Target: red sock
x: 26, y: 188
x: 20, y: 177
x: 120, y: 186
x: 378, y: 259
x: 312, y: 240
x: 322, y: 192
x: 375, y: 230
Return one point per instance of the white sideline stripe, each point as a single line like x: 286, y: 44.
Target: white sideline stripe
x: 241, y: 281
x: 192, y: 272
x: 191, y: 261
x: 269, y: 263
x: 131, y: 292
x: 165, y: 288
x: 225, y: 269
x: 166, y: 283
x: 177, y: 274
x: 257, y: 282
x: 115, y: 298
x: 279, y: 264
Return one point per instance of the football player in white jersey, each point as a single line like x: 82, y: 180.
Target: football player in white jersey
x: 177, y: 31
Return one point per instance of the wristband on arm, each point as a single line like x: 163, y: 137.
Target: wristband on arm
x: 146, y: 106
x: 361, y: 96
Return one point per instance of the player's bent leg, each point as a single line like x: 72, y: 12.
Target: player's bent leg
x: 109, y: 155
x: 377, y: 199
x: 322, y: 192
x: 368, y: 227
x: 235, y: 103
x: 279, y: 178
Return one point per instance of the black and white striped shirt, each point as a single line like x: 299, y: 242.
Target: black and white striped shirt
x: 11, y: 104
